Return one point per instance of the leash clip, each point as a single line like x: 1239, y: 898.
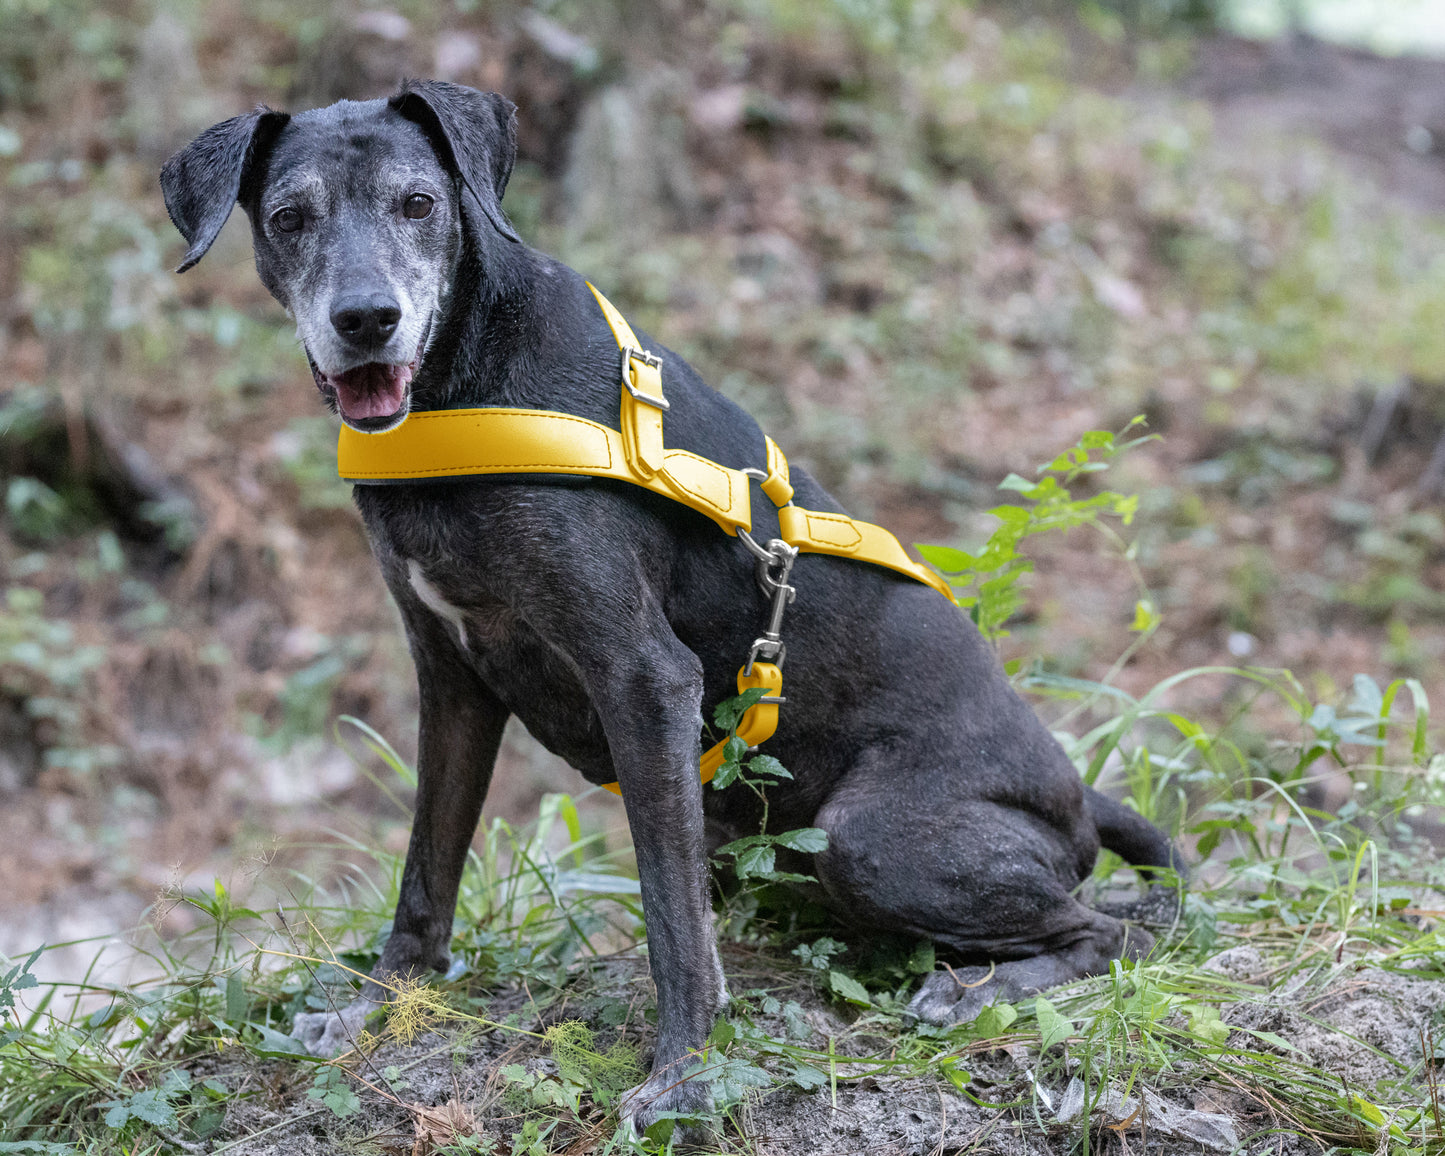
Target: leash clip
x: 779, y: 556
x: 652, y: 361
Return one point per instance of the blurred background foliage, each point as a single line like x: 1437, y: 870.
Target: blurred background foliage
x: 926, y: 242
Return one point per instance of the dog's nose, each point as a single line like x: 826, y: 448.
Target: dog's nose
x: 365, y: 320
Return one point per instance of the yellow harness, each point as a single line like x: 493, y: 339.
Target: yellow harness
x: 461, y: 442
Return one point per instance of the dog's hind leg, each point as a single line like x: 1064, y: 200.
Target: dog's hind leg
x: 989, y: 881
x: 1128, y: 833
x: 461, y: 729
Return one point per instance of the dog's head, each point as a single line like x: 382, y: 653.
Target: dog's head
x: 358, y: 214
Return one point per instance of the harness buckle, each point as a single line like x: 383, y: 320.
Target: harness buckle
x: 652, y: 361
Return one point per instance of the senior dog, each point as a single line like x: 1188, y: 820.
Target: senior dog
x: 605, y: 616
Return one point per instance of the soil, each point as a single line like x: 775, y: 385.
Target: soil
x: 1384, y: 115
x: 1359, y: 1024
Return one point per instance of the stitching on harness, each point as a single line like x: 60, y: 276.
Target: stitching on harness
x: 532, y: 415
x: 834, y: 519
x: 701, y: 497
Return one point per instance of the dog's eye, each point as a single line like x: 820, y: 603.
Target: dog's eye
x: 417, y: 207
x: 287, y: 220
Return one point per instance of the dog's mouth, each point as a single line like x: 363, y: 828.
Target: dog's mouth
x: 374, y: 396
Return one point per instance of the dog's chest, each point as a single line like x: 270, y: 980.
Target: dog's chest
x: 477, y: 628
x: 536, y: 683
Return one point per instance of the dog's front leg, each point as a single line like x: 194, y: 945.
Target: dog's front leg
x: 460, y: 731
x: 649, y: 699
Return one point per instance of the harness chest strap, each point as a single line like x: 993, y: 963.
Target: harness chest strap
x: 463, y: 442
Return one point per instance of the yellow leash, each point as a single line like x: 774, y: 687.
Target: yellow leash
x: 462, y: 442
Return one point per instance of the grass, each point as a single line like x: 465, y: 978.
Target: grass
x: 156, y: 1066
x: 542, y: 1017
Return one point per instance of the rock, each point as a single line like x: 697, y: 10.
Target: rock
x: 1242, y: 963
x: 1153, y: 1112
x: 630, y: 149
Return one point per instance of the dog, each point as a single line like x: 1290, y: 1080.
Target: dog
x: 605, y: 616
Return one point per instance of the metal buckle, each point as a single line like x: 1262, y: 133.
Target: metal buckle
x: 762, y: 476
x: 648, y: 359
x: 778, y: 554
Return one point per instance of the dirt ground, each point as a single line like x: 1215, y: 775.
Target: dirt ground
x: 1360, y: 1025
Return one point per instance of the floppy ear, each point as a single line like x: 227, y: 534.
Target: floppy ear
x: 204, y: 180
x: 475, y: 134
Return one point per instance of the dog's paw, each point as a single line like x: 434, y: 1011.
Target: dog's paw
x: 1158, y: 907
x: 686, y: 1099
x: 326, y: 1033
x: 955, y: 997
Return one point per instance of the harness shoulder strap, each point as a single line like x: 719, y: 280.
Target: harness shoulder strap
x: 816, y: 532
x: 643, y: 403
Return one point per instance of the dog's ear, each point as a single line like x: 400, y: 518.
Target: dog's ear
x: 203, y: 181
x: 475, y: 134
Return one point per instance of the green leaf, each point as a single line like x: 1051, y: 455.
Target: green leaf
x: 1146, y: 618
x: 733, y: 1077
x: 274, y: 1044
x: 1053, y: 1028
x: 236, y: 1002
x: 796, y: 1020
x: 153, y: 1107
x: 1204, y: 1022
x: 102, y: 1016
x: 755, y: 861
x: 726, y: 775
x: 818, y: 953
x: 955, y: 1075
x: 343, y: 1102
x: 739, y: 845
x: 767, y: 765
x: 994, y: 1019
x: 1367, y: 1110
x: 849, y: 988
x: 811, y: 840
x: 923, y: 960
x: 946, y: 558
x: 808, y: 1077
x: 333, y: 1089
x: 1273, y: 1038
x: 728, y: 713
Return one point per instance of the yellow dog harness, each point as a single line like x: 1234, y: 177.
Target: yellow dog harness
x: 462, y: 442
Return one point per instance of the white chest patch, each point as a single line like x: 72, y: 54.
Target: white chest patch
x: 433, y: 601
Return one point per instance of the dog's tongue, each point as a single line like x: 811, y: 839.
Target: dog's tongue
x: 372, y: 390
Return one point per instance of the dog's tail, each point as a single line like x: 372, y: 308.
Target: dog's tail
x: 1128, y: 834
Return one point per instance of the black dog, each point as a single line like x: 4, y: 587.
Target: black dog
x: 605, y: 616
